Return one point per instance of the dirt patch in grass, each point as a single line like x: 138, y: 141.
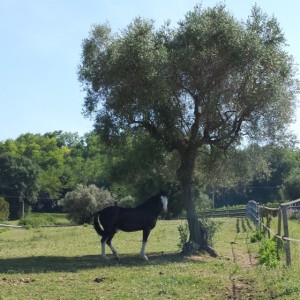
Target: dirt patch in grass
x: 245, y: 260
x: 241, y: 289
x: 16, y: 281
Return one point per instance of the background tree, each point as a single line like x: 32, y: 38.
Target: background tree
x: 18, y: 180
x: 4, y: 209
x: 290, y: 170
x: 208, y: 82
x: 84, y: 201
x: 138, y: 166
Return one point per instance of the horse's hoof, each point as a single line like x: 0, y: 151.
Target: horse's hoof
x: 144, y: 257
x: 105, y: 257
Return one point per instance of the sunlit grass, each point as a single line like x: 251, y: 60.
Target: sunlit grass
x: 65, y: 263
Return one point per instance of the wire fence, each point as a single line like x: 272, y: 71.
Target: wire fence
x: 262, y: 215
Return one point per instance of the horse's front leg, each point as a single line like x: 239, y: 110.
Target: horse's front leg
x: 146, y: 233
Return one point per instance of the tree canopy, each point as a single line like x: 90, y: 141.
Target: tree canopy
x: 210, y: 81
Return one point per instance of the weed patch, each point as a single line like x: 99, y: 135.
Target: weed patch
x: 34, y: 220
x: 268, y: 253
x: 257, y: 236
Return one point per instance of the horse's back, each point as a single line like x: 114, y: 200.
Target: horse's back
x: 134, y: 220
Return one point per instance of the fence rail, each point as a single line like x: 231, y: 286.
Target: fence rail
x: 11, y: 226
x: 224, y: 213
x: 258, y: 213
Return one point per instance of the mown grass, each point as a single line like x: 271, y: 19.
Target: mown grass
x: 64, y: 263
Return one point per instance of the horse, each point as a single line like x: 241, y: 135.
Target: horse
x: 142, y: 217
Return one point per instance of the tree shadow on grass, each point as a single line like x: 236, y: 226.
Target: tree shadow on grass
x: 45, y: 264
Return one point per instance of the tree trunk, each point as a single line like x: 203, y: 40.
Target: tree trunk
x: 198, y: 239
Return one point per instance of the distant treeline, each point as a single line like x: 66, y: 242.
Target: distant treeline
x: 41, y: 169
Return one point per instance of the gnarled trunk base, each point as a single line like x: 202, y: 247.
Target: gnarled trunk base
x: 198, y: 241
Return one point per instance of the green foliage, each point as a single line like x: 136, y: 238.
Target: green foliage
x: 244, y: 225
x: 4, y: 209
x: 19, y: 177
x: 249, y: 223
x: 183, y: 230
x: 3, y: 229
x: 292, y: 187
x: 43, y: 219
x: 257, y: 236
x: 84, y: 201
x: 64, y: 160
x: 36, y: 220
x: 139, y: 166
x: 127, y: 202
x: 268, y: 253
x: 137, y: 75
x: 238, y: 230
x: 210, y: 225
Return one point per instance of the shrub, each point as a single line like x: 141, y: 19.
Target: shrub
x: 212, y: 227
x: 4, y: 209
x: 183, y: 229
x: 268, y: 253
x: 84, y: 201
x: 257, y: 236
x: 36, y: 220
x: 183, y: 235
x: 127, y: 201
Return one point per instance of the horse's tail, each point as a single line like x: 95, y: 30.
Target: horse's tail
x: 97, y: 227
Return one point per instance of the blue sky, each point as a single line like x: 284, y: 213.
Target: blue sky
x: 41, y: 47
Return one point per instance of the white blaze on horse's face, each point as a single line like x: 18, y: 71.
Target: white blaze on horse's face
x: 164, y: 201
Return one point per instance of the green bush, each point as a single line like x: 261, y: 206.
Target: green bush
x: 84, y: 201
x: 257, y: 236
x: 36, y: 220
x: 4, y: 209
x: 268, y: 253
x: 183, y: 230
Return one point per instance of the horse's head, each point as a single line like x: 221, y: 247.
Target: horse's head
x: 164, y: 201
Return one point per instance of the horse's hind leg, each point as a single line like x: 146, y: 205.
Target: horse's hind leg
x: 108, y: 242
x: 103, y: 242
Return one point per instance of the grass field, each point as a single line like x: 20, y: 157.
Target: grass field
x: 64, y: 263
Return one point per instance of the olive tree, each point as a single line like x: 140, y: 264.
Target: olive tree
x: 207, y: 82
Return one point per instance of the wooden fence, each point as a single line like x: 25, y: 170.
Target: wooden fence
x: 219, y: 213
x: 261, y: 217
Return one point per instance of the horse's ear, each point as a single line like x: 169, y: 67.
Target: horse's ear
x: 165, y: 193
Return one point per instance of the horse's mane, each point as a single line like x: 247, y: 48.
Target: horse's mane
x: 152, y: 203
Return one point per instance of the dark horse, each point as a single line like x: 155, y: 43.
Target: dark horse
x: 142, y: 217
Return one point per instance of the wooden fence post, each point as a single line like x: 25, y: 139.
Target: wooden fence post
x: 286, y: 234
x: 279, y: 231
